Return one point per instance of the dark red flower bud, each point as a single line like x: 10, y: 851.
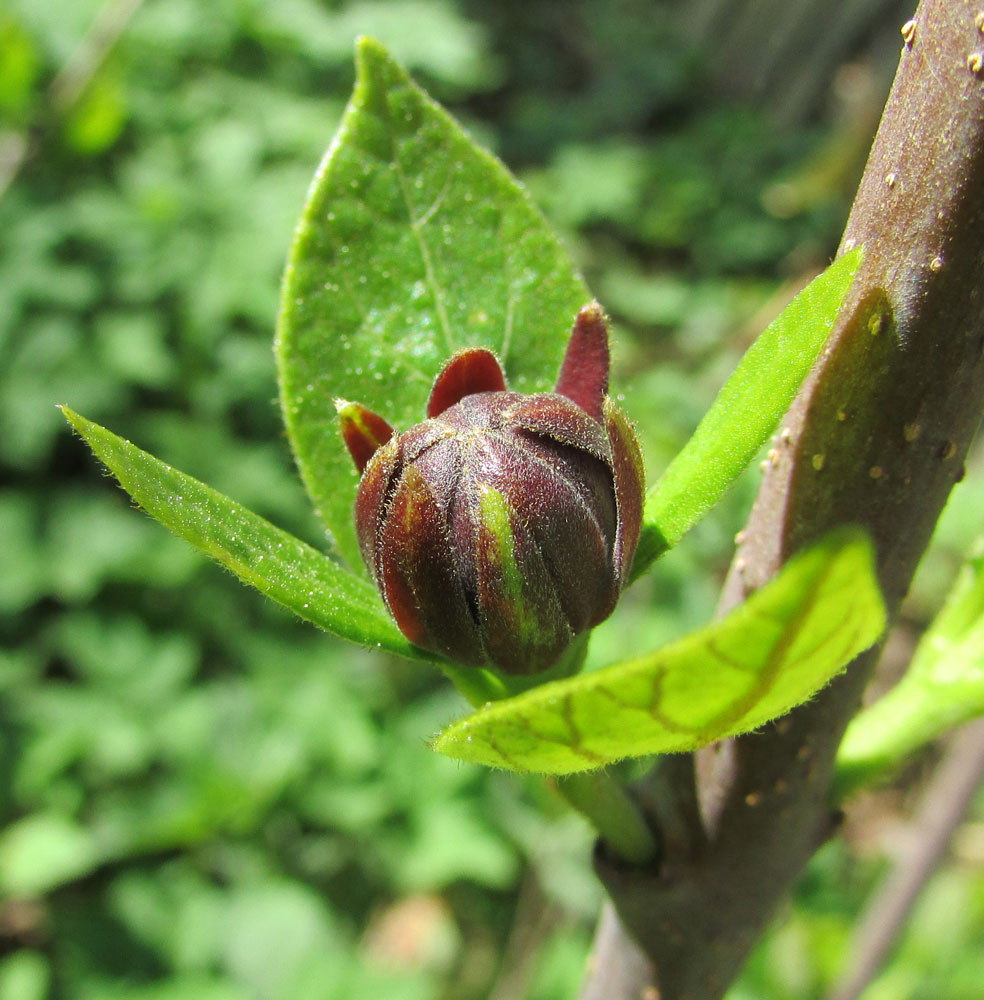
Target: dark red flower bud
x: 504, y: 524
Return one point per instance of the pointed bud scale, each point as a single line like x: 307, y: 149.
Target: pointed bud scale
x: 504, y: 524
x: 584, y: 373
x: 363, y: 431
x: 630, y: 487
x: 467, y: 373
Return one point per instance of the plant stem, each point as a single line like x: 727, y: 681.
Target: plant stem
x: 611, y: 810
x: 478, y: 687
x: 943, y: 806
x: 877, y: 437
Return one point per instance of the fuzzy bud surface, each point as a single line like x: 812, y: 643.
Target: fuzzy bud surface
x: 505, y: 524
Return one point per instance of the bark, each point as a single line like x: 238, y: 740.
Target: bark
x: 877, y: 436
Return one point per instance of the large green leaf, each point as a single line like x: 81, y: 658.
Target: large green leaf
x: 771, y: 653
x: 943, y: 687
x: 264, y: 556
x: 414, y: 243
x: 746, y: 411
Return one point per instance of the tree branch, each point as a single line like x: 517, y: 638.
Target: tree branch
x: 878, y: 437
x: 955, y: 781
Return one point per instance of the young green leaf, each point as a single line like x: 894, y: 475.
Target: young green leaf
x: 274, y: 561
x: 746, y: 411
x: 943, y: 687
x: 414, y: 243
x: 771, y: 653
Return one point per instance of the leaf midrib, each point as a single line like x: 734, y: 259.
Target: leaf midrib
x: 417, y: 224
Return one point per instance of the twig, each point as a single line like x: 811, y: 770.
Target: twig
x: 71, y: 80
x: 91, y: 52
x: 957, y: 778
x: 876, y: 437
x: 535, y: 918
x: 618, y: 968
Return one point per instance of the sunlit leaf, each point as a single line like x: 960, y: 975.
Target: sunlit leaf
x: 943, y: 687
x: 768, y: 655
x: 262, y: 555
x: 746, y: 411
x: 42, y: 851
x: 414, y: 243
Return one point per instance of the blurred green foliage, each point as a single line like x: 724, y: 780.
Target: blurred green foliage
x: 201, y: 798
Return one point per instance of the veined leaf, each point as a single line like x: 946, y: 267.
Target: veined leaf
x: 768, y: 655
x: 414, y: 243
x: 746, y: 411
x: 943, y: 687
x: 274, y: 561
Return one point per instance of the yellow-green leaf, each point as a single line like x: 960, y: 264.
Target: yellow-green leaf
x: 943, y: 687
x: 746, y: 411
x: 768, y: 655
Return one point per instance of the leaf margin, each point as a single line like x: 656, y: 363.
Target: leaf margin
x: 847, y: 550
x: 325, y: 470
x: 323, y: 607
x: 942, y: 688
x: 698, y: 469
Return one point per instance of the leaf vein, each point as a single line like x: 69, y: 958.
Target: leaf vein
x: 728, y: 660
x: 731, y: 715
x: 430, y: 273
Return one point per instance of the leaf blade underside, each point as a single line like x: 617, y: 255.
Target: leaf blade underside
x: 942, y: 688
x: 745, y: 412
x: 771, y: 653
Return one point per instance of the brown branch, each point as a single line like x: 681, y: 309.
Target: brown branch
x: 618, y: 968
x: 941, y: 810
x: 878, y: 437
x: 535, y: 919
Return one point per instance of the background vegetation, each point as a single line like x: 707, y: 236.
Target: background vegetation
x: 201, y: 798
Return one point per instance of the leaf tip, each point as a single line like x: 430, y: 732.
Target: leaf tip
x: 854, y: 252
x: 77, y: 422
x: 370, y: 54
x: 848, y: 264
x: 376, y: 74
x: 366, y: 45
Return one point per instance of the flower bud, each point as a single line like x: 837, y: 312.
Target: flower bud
x: 504, y: 524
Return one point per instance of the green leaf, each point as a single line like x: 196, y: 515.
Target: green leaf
x: 262, y: 555
x: 413, y: 243
x: 25, y: 975
x: 943, y: 687
x: 746, y: 411
x: 42, y: 851
x: 771, y: 653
